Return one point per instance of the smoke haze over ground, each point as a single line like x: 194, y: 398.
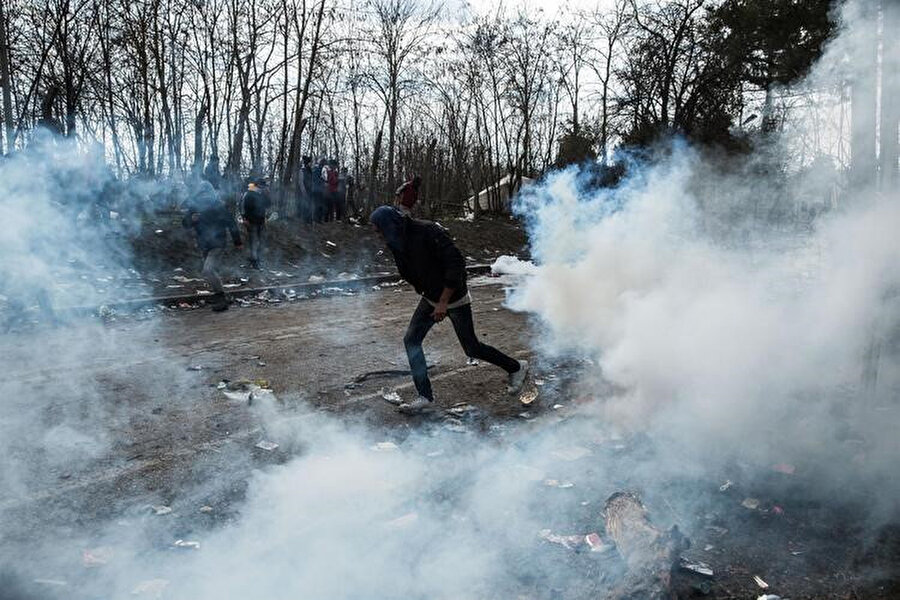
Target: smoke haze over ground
x: 711, y: 342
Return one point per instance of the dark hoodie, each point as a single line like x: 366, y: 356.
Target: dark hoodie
x: 213, y: 221
x: 425, y: 255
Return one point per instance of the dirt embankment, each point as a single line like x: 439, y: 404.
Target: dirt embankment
x: 166, y: 257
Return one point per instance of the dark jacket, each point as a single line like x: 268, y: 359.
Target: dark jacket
x: 213, y: 220
x: 254, y: 205
x: 429, y: 261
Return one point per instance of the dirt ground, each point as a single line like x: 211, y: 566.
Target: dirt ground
x: 172, y: 434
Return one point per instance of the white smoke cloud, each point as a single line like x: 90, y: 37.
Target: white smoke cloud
x: 748, y: 347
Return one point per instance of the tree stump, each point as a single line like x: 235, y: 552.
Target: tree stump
x: 650, y: 554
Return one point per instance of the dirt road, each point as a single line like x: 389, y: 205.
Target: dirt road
x: 104, y: 421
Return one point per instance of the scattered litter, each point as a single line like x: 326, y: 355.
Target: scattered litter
x: 563, y: 485
x: 528, y: 396
x: 195, y: 368
x: 245, y: 391
x: 797, y: 552
x: 261, y: 364
x: 161, y: 510
x: 472, y: 361
x: 158, y: 231
x: 267, y: 446
x: 567, y: 541
x: 539, y: 382
x: 96, y: 557
x: 784, y: 468
x: 455, y: 425
x: 232, y: 285
x: 316, y: 279
x: 330, y: 243
x: 391, y: 397
x: 206, y: 509
x: 708, y: 547
x: 759, y: 581
x: 525, y: 415
x: 183, y: 279
x: 557, y: 406
x: 571, y: 454
x: 751, y: 503
x: 385, y: 447
x: 222, y: 385
x: 768, y: 597
x: 151, y: 587
x: 778, y: 510
x: 462, y: 409
x: 697, y: 567
x: 187, y: 544
x: 726, y: 486
x: 596, y: 543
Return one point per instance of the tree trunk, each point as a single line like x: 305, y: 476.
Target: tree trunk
x: 6, y: 83
x: 890, y: 93
x: 863, y: 110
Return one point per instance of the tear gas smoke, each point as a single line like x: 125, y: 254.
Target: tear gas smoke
x: 720, y: 339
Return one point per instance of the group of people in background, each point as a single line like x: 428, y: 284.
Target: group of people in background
x: 326, y: 192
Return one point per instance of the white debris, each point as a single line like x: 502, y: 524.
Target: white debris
x: 267, y: 446
x: 187, y: 544
x: 161, y: 510
x: 392, y: 397
x: 759, y: 581
x: 750, y: 503
x: 385, y: 447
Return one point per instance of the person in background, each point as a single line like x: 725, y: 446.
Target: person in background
x: 407, y: 195
x: 333, y: 189
x: 429, y: 261
x: 212, y: 222
x: 211, y: 173
x: 254, y: 204
x: 305, y: 201
x: 350, y: 194
x: 320, y: 201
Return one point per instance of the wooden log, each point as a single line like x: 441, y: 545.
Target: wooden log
x: 650, y: 553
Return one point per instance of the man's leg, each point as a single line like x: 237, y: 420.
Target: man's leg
x: 253, y: 243
x: 260, y: 241
x: 419, y: 326
x: 465, y: 331
x: 210, y: 273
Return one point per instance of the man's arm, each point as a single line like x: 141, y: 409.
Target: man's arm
x: 454, y: 266
x: 440, y: 311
